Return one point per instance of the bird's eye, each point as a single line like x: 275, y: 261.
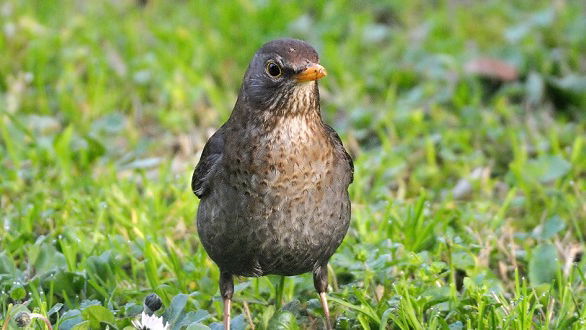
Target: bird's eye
x: 273, y: 69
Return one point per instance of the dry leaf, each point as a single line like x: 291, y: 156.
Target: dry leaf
x: 492, y: 68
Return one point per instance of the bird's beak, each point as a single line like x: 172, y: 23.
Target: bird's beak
x: 312, y: 72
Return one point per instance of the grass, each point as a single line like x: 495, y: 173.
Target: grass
x: 469, y: 200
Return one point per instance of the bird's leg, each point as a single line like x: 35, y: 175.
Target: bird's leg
x: 320, y: 281
x: 226, y: 290
x: 323, y: 298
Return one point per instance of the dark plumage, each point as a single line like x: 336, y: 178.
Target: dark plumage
x: 273, y: 179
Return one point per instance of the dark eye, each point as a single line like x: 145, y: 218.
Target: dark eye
x: 273, y: 69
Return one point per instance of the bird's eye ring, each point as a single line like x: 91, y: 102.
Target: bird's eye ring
x: 273, y: 69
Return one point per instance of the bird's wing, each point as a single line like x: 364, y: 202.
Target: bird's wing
x: 210, y: 157
x: 338, y: 142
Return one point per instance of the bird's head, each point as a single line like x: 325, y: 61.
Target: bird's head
x: 282, y: 77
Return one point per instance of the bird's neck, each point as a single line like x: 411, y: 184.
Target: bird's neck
x: 301, y: 100
x: 300, y: 108
x: 309, y: 117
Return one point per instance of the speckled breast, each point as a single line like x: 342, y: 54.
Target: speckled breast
x: 278, y: 207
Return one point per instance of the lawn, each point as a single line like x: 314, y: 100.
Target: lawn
x: 466, y: 121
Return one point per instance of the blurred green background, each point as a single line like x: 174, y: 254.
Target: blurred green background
x: 466, y: 120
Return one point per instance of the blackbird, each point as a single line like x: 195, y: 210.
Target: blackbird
x: 273, y: 180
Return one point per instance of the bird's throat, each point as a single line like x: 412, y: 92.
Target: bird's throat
x: 296, y: 108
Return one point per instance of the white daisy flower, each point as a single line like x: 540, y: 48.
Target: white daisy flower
x: 150, y: 322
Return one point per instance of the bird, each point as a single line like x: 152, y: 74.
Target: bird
x: 273, y: 179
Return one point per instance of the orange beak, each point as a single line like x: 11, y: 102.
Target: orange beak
x: 312, y: 72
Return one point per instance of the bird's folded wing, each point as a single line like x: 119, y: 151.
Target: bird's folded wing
x: 210, y: 157
x: 340, y: 146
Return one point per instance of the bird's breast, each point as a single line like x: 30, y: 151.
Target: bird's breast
x: 290, y: 161
x: 281, y: 201
x: 296, y: 153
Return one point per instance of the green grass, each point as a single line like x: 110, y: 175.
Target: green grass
x: 469, y: 199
